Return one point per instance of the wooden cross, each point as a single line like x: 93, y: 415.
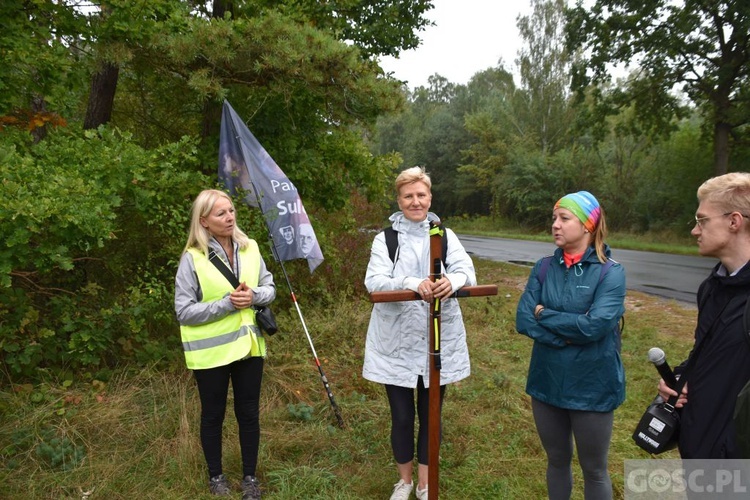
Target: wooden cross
x: 433, y: 416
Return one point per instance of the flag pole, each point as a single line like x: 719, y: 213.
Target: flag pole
x: 323, y: 378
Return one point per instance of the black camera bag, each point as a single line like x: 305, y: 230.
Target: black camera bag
x: 659, y: 428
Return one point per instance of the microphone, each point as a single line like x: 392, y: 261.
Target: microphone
x: 659, y: 359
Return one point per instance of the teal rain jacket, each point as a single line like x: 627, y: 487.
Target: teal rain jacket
x: 575, y: 362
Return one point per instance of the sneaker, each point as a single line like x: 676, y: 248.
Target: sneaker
x: 421, y: 494
x: 401, y: 490
x: 250, y: 488
x: 219, y: 486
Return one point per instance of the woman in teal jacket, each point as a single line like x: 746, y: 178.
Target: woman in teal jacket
x: 571, y: 308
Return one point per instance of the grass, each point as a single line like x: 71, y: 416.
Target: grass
x: 136, y: 435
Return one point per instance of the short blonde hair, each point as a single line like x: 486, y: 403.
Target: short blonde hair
x: 412, y: 175
x: 730, y: 191
x: 199, y: 235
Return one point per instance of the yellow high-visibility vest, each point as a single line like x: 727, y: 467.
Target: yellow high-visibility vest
x: 233, y: 337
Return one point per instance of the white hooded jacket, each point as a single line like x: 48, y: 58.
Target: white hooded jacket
x: 396, y: 350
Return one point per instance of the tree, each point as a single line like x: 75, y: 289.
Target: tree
x: 305, y: 93
x: 36, y: 65
x: 491, y: 124
x: 308, y: 85
x: 544, y: 65
x: 93, y: 221
x: 121, y: 31
x: 431, y: 133
x: 703, y: 47
x: 376, y: 27
x: 117, y: 33
x: 520, y: 131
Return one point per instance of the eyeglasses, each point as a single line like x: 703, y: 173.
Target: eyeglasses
x: 699, y: 221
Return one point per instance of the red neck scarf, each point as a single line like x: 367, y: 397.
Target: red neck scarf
x: 572, y: 259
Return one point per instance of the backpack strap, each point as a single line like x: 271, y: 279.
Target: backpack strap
x: 391, y: 241
x: 543, y: 270
x: 605, y: 268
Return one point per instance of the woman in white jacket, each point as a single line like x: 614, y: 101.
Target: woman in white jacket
x: 396, y: 350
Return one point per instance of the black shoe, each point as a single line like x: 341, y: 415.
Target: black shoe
x: 250, y: 488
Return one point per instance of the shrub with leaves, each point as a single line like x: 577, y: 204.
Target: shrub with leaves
x: 93, y: 225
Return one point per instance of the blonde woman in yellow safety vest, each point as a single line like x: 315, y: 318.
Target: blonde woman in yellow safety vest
x: 219, y: 334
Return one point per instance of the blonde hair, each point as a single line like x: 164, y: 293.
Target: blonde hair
x: 730, y: 191
x: 199, y: 236
x: 598, y: 236
x: 412, y: 175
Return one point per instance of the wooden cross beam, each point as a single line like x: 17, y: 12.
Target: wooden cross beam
x: 433, y: 416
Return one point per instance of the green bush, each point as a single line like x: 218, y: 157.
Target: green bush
x: 533, y: 182
x: 94, y: 226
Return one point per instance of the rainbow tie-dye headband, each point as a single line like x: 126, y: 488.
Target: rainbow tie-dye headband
x: 584, y: 206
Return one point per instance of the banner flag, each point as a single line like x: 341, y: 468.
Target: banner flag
x: 246, y: 168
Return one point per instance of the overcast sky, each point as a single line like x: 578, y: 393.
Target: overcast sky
x: 469, y: 36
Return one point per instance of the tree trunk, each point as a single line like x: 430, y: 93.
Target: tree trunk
x: 721, y: 147
x: 102, y: 96
x: 211, y: 121
x: 38, y: 106
x: 222, y: 6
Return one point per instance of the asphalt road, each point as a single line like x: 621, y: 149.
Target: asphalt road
x: 666, y: 275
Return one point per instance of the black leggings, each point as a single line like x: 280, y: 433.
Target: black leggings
x: 401, y: 400
x: 213, y: 386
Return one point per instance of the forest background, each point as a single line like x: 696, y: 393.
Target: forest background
x: 109, y: 116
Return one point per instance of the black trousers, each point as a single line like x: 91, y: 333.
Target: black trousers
x: 401, y: 401
x: 213, y: 387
